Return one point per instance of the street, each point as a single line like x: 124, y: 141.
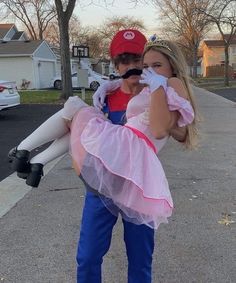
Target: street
x: 18, y: 123
x: 228, y: 93
x: 39, y: 233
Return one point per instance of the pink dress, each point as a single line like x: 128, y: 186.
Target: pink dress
x: 120, y: 161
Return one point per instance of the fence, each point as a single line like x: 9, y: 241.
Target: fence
x: 217, y: 71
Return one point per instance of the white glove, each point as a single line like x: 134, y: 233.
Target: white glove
x: 100, y: 94
x: 144, y: 117
x: 153, y: 80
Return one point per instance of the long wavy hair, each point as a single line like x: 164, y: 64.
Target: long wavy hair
x: 180, y: 70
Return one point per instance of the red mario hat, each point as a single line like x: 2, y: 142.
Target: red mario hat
x: 127, y: 41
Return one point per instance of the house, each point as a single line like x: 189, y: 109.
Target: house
x: 31, y: 63
x: 10, y: 32
x: 213, y: 57
x: 101, y: 66
x: 73, y: 61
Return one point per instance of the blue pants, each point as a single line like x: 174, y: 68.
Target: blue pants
x: 95, y: 238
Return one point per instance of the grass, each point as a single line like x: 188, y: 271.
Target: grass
x: 214, y: 83
x: 54, y: 96
x: 49, y: 96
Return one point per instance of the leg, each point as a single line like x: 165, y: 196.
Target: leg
x: 95, y: 238
x: 53, y: 128
x: 56, y: 149
x: 139, y: 241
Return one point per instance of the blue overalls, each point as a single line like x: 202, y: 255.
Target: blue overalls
x: 98, y: 222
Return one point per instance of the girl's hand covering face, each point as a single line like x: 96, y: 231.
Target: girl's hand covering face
x: 152, y: 79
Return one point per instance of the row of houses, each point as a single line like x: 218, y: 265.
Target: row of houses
x: 33, y: 63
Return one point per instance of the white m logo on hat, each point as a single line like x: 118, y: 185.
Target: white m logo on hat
x: 129, y: 35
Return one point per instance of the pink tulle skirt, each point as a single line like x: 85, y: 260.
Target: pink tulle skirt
x: 121, y: 167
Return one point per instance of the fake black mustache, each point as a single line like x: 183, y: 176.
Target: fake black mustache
x: 131, y: 72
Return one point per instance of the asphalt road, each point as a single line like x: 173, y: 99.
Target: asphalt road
x: 16, y: 124
x: 39, y: 235
x: 229, y: 93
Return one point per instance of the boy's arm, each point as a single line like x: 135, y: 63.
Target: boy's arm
x: 104, y: 89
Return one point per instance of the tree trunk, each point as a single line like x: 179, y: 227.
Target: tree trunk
x: 63, y: 22
x: 226, y: 75
x: 65, y: 59
x: 195, y: 61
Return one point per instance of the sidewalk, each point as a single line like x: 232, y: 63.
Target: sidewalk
x: 38, y: 236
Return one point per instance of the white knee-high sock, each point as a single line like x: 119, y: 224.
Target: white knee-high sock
x: 56, y: 149
x: 52, y: 129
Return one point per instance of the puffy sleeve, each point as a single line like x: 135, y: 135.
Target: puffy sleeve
x: 183, y: 106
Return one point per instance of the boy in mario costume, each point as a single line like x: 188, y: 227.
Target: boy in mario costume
x: 97, y: 222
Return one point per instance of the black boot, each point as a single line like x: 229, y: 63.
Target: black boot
x: 34, y: 177
x: 20, y: 162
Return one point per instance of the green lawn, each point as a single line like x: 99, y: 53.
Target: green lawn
x: 213, y: 83
x: 49, y: 96
x: 53, y: 96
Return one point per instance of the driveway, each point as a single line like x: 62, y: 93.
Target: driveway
x: 18, y: 123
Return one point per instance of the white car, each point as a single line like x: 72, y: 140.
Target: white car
x: 113, y: 76
x: 94, y: 81
x: 9, y: 96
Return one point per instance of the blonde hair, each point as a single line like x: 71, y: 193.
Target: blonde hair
x: 180, y: 70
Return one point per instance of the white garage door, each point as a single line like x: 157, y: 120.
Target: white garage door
x: 46, y: 73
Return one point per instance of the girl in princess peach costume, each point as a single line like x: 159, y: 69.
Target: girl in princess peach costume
x: 121, y: 162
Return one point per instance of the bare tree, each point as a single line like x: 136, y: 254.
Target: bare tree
x: 91, y: 38
x: 64, y: 13
x: 114, y: 24
x: 52, y: 34
x: 223, y: 14
x: 35, y: 15
x: 181, y: 21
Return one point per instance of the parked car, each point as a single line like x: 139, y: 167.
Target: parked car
x: 9, y: 96
x: 113, y: 76
x: 94, y: 81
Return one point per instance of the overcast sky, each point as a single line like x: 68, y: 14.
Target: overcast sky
x: 95, y: 14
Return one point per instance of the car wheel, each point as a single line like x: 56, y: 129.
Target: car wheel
x: 94, y: 85
x: 112, y: 77
x: 58, y: 84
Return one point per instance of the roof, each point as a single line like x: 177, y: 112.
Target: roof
x: 218, y: 42
x: 17, y: 35
x: 8, y: 26
x: 56, y: 51
x: 4, y: 28
x: 226, y: 36
x: 19, y: 47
